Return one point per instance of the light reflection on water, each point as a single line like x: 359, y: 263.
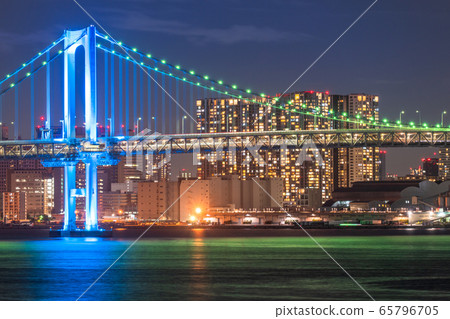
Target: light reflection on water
x: 200, y: 268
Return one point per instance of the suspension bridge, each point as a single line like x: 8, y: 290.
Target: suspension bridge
x: 86, y: 97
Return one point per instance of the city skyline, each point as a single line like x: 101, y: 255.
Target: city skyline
x: 225, y: 150
x: 207, y: 50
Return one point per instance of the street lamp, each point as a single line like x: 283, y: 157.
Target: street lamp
x: 182, y: 124
x: 154, y: 119
x: 62, y: 128
x: 401, y: 113
x: 137, y: 125
x: 110, y: 126
x: 442, y: 118
x: 420, y: 117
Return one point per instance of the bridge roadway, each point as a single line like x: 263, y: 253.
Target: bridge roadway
x: 65, y: 149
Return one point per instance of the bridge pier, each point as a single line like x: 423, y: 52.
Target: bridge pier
x: 69, y: 197
x: 91, y: 223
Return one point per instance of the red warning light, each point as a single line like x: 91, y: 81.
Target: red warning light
x: 42, y: 118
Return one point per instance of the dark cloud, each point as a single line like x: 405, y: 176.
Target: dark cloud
x: 237, y: 33
x: 9, y: 41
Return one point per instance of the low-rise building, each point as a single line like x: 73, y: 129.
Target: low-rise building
x: 13, y: 206
x: 201, y: 196
x: 158, y: 200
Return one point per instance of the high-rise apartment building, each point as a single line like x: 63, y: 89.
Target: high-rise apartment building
x: 444, y: 164
x: 231, y: 115
x: 306, y: 110
x: 356, y: 164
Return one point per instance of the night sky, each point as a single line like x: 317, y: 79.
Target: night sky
x: 398, y: 50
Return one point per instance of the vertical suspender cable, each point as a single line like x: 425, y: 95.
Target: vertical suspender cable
x: 32, y: 104
x: 16, y: 111
x: 135, y: 117
x: 106, y: 92
x: 127, y: 101
x: 149, y: 102
x: 48, y: 102
x: 113, y: 110
x: 191, y: 106
x: 120, y: 97
x: 155, y: 94
x: 163, y: 105
x: 141, y: 93
x: 1, y: 115
x: 177, y: 128
x: 169, y: 107
x: 183, y: 84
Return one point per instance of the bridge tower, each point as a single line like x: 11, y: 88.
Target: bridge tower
x: 85, y: 38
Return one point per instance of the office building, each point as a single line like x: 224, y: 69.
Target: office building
x: 38, y: 187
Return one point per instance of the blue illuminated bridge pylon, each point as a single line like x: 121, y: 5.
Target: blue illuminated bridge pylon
x: 86, y: 39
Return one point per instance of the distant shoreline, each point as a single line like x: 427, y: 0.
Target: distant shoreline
x: 233, y: 231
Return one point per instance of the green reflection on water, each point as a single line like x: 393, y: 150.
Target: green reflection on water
x: 267, y: 268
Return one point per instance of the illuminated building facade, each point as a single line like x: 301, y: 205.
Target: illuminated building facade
x: 305, y: 110
x: 444, y: 164
x: 38, y: 187
x: 231, y: 115
x: 13, y: 206
x: 356, y: 164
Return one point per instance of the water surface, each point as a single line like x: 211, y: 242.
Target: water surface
x: 202, y: 267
